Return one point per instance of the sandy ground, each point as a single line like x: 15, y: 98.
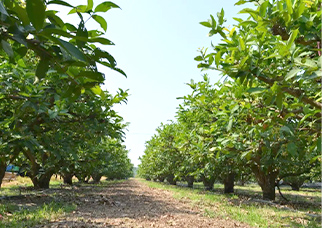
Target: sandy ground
x: 133, y: 204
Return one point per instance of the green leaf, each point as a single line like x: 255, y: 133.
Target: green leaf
x: 58, y: 2
x: 22, y: 14
x: 218, y: 58
x: 3, y: 9
x: 206, y: 24
x: 230, y: 124
x: 292, y: 149
x: 247, y: 155
x: 70, y: 27
x: 101, y: 21
x: 318, y: 144
x: 96, y: 76
x: 304, y: 118
x: 81, y: 32
x: 99, y: 54
x: 89, y: 5
x: 247, y: 22
x: 289, y: 7
x: 299, y: 10
x: 22, y: 51
x: 235, y: 108
x: 198, y: 58
x: 238, y: 19
x: 220, y: 16
x: 319, y: 157
x: 263, y: 7
x: 120, y: 71
x: 248, y: 10
x: 56, y: 31
x: 292, y: 73
x: 36, y: 13
x: 286, y: 129
x: 98, y: 91
x: 52, y: 114
x: 256, y: 90
x: 292, y: 37
x: 71, y: 49
x: 105, y: 6
x: 279, y: 100
x: 42, y: 68
x: 7, y: 48
x: 78, y: 9
x: 213, y: 22
x: 242, y: 44
x: 101, y: 41
x: 240, y: 2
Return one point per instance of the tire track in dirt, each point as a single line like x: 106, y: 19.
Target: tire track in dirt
x: 133, y: 204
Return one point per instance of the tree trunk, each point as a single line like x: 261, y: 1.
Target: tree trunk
x: 68, y: 178
x: 96, y: 178
x: 161, y: 179
x: 229, y: 183
x: 208, y: 183
x: 295, y: 182
x: 295, y: 187
x: 43, y: 181
x: 87, y: 178
x: 190, y: 180
x: 170, y: 179
x: 81, y: 178
x: 3, y: 167
x: 266, y: 181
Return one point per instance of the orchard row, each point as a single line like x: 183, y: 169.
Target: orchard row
x: 263, y: 122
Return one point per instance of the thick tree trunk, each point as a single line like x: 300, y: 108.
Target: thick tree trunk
x: 68, y: 178
x: 161, y: 179
x: 295, y: 182
x: 229, y: 183
x: 208, y: 183
x: 295, y: 187
x: 96, y: 178
x: 43, y: 181
x: 190, y: 180
x: 81, y: 178
x: 170, y: 179
x: 3, y: 167
x: 266, y: 181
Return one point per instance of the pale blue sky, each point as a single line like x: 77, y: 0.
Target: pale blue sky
x: 156, y: 42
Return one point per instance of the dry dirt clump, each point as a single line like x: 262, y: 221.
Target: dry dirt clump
x: 133, y: 204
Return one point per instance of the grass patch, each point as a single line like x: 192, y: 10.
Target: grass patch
x: 24, y: 206
x: 240, y: 208
x: 30, y: 215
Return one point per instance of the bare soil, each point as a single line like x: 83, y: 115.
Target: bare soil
x: 133, y: 204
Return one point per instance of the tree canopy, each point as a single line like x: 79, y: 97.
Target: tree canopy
x: 55, y: 118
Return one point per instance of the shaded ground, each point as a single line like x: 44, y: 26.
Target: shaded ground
x: 131, y: 204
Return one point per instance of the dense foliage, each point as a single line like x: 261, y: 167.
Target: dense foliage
x: 264, y: 121
x: 55, y: 118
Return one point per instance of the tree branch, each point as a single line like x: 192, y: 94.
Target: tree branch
x: 294, y: 92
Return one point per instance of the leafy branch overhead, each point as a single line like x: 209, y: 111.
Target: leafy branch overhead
x: 279, y: 44
x: 57, y: 45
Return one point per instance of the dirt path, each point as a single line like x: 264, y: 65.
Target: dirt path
x: 133, y: 204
